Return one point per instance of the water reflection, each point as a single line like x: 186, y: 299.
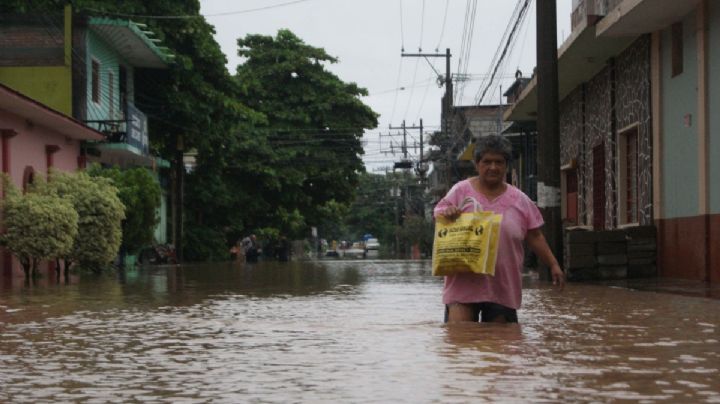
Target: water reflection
x: 362, y: 331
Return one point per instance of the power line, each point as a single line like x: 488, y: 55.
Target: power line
x: 442, y: 30
x: 510, y: 40
x: 422, y: 25
x: 181, y: 17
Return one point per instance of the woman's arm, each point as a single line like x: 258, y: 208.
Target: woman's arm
x: 537, y: 243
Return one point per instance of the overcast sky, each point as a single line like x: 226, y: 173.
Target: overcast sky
x: 367, y: 36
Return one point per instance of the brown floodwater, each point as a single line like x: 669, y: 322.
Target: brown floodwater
x: 345, y: 331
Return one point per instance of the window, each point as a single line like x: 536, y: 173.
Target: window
x: 95, y: 83
x: 677, y: 48
x: 598, y: 182
x: 628, y: 176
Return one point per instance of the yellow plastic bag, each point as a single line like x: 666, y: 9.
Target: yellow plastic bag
x: 468, y: 244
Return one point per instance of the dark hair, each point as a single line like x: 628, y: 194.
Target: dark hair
x: 493, y: 144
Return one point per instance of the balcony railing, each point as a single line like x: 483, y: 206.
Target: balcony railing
x: 131, y: 130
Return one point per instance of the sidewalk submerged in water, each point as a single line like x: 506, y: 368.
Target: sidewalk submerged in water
x: 685, y: 287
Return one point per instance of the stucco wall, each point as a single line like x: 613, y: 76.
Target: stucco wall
x: 679, y: 137
x: 714, y: 104
x: 51, y: 85
x: 27, y: 148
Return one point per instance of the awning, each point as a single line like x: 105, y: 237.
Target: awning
x: 42, y: 115
x: 132, y: 42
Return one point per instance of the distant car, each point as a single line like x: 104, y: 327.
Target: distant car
x: 372, y: 244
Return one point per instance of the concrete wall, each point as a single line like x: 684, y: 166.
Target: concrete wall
x: 689, y: 237
x: 679, y: 137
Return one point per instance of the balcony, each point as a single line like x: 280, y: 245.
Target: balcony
x: 590, y: 11
x: 126, y: 141
x: 131, y: 131
x: 635, y: 17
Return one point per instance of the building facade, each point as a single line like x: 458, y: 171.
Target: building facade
x: 86, y: 67
x: 34, y: 139
x: 640, y: 150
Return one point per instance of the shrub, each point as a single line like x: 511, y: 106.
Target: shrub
x: 39, y: 226
x: 100, y: 213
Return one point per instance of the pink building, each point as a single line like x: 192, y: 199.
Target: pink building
x: 34, y: 138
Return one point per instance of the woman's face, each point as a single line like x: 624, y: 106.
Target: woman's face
x: 492, y: 168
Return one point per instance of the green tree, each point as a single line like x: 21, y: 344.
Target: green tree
x: 314, y: 125
x: 374, y: 210
x: 416, y: 230
x: 39, y: 226
x: 100, y: 214
x: 140, y: 193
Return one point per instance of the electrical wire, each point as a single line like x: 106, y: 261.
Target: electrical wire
x: 508, y: 44
x: 442, y: 30
x: 182, y: 17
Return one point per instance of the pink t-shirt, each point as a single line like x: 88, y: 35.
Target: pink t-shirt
x: 519, y: 215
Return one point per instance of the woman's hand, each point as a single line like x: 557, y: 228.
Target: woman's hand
x: 558, y: 276
x: 537, y: 243
x: 451, y: 213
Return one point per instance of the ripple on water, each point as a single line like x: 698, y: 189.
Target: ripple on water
x: 357, y: 332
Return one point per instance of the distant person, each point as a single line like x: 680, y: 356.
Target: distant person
x: 251, y: 248
x: 234, y: 252
x: 475, y: 297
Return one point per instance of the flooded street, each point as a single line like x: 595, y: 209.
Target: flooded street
x: 345, y: 331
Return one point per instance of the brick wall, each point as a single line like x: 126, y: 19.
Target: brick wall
x: 31, y: 40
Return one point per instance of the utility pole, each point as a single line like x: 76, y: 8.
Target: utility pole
x: 548, y: 144
x: 421, y: 141
x: 447, y: 100
x: 405, y: 128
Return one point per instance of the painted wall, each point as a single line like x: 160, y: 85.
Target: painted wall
x: 714, y: 104
x: 680, y: 143
x: 36, y: 59
x: 51, y: 85
x: 110, y: 60
x: 27, y: 149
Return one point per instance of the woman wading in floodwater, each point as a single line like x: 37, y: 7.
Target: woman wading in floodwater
x: 474, y: 297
